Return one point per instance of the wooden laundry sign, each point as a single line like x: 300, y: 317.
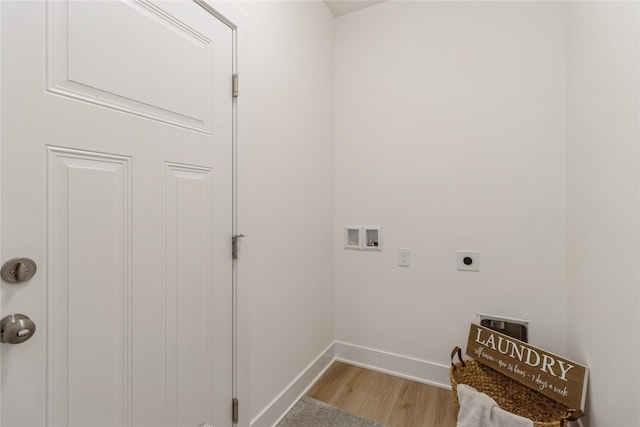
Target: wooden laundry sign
x: 556, y: 377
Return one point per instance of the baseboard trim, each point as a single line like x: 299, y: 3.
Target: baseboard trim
x: 279, y: 407
x: 422, y: 371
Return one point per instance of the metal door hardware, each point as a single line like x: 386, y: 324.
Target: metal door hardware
x: 16, y: 328
x: 234, y: 245
x: 234, y: 411
x: 18, y: 270
x: 234, y: 85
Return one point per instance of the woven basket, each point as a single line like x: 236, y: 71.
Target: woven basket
x: 510, y: 395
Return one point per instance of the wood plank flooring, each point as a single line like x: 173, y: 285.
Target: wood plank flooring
x: 384, y: 398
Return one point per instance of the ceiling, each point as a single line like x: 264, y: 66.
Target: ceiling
x: 342, y: 7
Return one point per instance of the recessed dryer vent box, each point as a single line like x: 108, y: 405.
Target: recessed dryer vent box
x: 515, y: 328
x: 372, y: 238
x: 353, y: 237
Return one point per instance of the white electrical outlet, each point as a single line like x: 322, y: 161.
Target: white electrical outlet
x: 404, y: 257
x: 468, y: 260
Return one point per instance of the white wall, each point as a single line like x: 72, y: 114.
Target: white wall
x: 507, y: 127
x: 450, y: 133
x: 603, y: 206
x: 286, y: 191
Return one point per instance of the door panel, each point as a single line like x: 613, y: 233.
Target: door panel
x: 117, y: 180
x: 89, y: 269
x: 151, y: 63
x: 189, y: 298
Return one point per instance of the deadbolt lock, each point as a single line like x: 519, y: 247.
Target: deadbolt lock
x: 18, y: 270
x: 16, y: 328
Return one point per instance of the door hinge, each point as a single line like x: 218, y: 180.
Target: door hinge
x: 234, y: 85
x: 234, y: 411
x: 235, y: 241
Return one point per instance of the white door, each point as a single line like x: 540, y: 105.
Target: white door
x: 117, y: 181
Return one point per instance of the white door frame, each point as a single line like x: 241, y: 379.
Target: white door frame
x: 231, y: 16
x: 230, y: 13
x: 1, y: 314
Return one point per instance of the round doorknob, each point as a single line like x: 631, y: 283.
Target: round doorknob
x: 16, y: 328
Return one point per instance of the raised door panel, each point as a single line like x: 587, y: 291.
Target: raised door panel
x: 89, y: 284
x: 190, y: 327
x: 162, y: 73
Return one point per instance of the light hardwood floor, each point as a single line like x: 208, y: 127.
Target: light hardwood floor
x: 384, y: 398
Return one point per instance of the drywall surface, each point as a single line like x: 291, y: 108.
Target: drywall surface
x: 603, y: 214
x: 450, y: 122
x: 286, y: 191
